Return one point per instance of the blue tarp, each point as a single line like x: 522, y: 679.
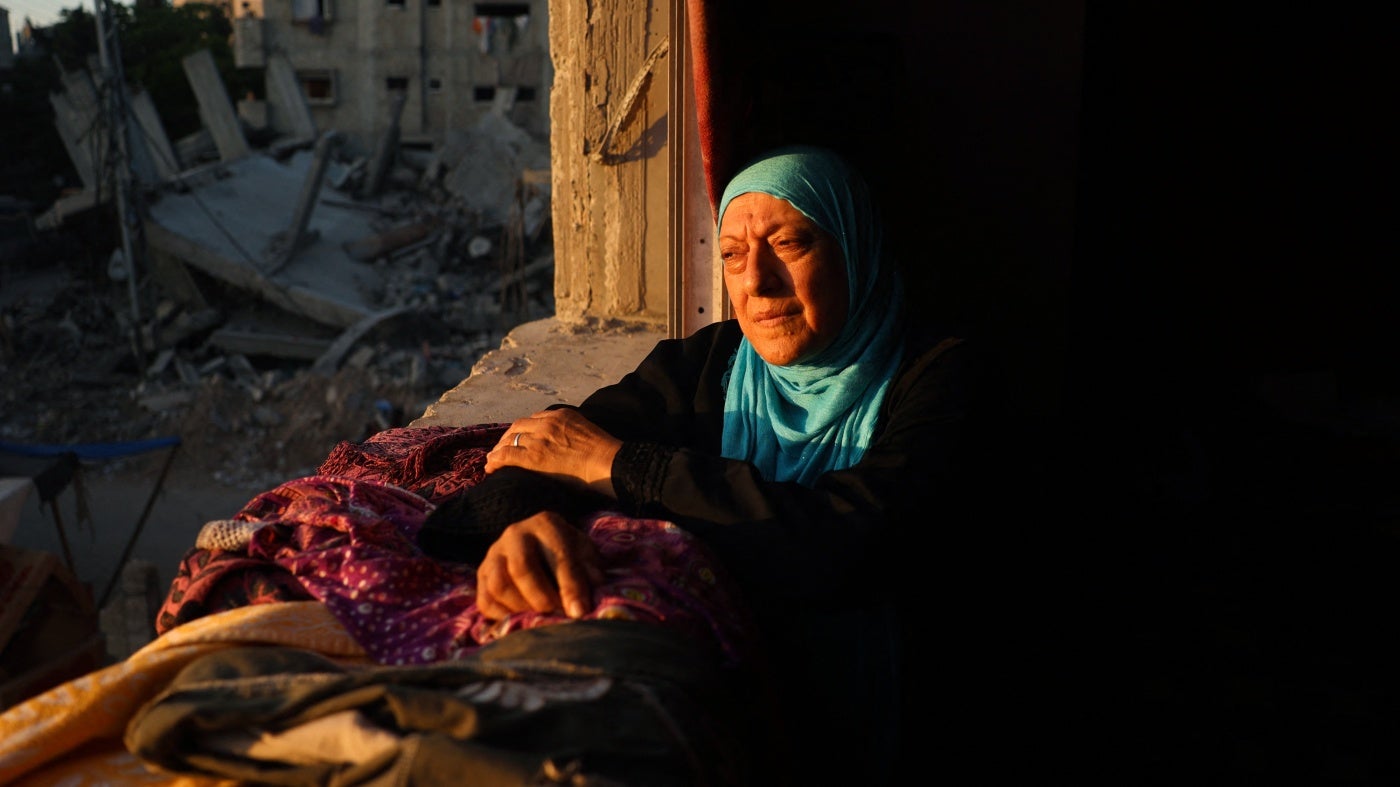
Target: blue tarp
x: 90, y: 450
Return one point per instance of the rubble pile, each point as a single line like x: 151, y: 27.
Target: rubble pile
x: 283, y: 298
x: 258, y: 394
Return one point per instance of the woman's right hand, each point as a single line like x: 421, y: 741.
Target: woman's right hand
x: 539, y: 564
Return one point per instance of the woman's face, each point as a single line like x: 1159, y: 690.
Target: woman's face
x: 785, y: 275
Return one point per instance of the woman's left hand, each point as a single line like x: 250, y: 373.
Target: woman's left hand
x: 562, y: 444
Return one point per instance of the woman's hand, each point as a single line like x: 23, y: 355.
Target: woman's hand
x: 562, y: 444
x: 539, y: 564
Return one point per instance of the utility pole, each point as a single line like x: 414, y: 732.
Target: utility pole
x: 116, y: 114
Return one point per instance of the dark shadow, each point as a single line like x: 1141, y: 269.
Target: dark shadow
x: 647, y: 145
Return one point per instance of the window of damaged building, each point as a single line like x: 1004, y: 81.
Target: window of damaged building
x: 500, y: 26
x: 318, y: 86
x: 311, y: 11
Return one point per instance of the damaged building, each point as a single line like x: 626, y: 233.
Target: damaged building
x: 328, y: 230
x: 440, y: 66
x: 421, y: 184
x: 7, y: 49
x: 375, y: 241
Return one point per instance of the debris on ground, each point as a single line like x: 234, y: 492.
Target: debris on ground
x: 256, y: 392
x: 278, y: 300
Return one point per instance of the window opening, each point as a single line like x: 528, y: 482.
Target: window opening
x: 310, y: 11
x: 318, y: 87
x: 500, y: 26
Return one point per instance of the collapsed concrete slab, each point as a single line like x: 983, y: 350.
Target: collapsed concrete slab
x: 227, y: 223
x: 302, y: 230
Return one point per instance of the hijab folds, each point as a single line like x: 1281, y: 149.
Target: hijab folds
x: 818, y: 414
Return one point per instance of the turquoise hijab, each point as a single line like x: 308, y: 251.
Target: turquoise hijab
x: 798, y: 421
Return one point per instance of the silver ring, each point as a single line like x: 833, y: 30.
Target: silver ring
x: 516, y: 442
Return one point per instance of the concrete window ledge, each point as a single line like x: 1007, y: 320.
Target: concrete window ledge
x: 542, y: 363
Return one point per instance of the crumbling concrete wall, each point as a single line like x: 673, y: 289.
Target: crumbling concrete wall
x: 608, y: 134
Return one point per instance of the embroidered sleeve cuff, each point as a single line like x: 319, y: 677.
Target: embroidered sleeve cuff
x: 638, y: 471
x: 462, y: 528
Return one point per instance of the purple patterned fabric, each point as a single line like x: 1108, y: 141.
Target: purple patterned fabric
x: 436, y: 462
x: 349, y: 541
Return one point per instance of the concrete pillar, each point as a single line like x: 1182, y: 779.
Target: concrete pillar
x: 76, y: 111
x: 289, y: 107
x: 152, y: 134
x: 611, y: 234
x: 215, y: 109
x: 75, y: 124
x: 386, y: 152
x: 296, y: 236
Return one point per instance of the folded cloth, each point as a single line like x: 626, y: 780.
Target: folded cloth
x: 591, y: 702
x: 72, y: 733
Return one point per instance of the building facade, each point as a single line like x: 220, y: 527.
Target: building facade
x: 450, y: 60
x: 7, y: 49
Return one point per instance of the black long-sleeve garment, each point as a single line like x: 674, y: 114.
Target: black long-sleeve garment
x: 785, y: 542
x: 836, y: 562
x: 782, y: 539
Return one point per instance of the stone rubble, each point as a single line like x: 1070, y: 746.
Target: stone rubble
x: 282, y: 402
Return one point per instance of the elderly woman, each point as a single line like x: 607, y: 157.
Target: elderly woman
x: 806, y: 441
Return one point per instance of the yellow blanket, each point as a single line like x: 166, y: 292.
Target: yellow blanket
x: 72, y: 734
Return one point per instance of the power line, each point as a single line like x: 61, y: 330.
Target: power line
x: 130, y: 206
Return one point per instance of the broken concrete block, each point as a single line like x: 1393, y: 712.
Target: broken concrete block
x: 375, y: 246
x: 188, y: 374
x: 485, y: 165
x: 160, y: 363
x: 361, y: 357
x: 167, y: 401
x: 267, y: 417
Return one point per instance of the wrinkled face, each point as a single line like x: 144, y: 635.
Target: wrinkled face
x: 785, y: 275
